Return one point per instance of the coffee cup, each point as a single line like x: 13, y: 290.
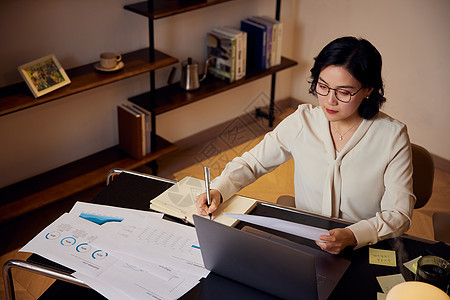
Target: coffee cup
x: 109, y: 60
x: 434, y: 270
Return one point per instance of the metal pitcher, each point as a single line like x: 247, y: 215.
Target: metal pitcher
x: 189, y: 74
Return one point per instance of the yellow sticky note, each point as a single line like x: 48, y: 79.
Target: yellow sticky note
x: 412, y: 264
x: 382, y: 257
x: 389, y: 281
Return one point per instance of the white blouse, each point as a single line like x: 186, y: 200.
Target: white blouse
x: 368, y: 182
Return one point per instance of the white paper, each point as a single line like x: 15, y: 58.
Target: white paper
x: 168, y: 243
x: 305, y: 231
x: 72, y: 242
x: 136, y: 279
x: 125, y: 221
x: 140, y: 255
x: 107, y: 290
x: 112, y: 211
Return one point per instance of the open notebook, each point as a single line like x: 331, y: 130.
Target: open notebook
x: 179, y: 201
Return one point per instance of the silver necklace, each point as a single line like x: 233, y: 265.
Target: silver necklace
x: 341, y: 136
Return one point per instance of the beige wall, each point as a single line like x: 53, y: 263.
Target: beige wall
x: 411, y: 35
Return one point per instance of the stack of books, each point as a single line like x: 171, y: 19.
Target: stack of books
x: 264, y: 39
x: 134, y: 124
x: 227, y: 47
x: 256, y: 45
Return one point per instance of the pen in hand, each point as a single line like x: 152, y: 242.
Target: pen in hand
x: 206, y: 172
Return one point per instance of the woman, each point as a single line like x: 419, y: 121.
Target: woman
x: 351, y: 161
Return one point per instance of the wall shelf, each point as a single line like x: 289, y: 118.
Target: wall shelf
x: 166, y: 8
x: 173, y: 96
x: 30, y: 194
x: 57, y: 184
x: 17, y: 97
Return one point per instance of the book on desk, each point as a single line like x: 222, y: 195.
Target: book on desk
x: 179, y: 201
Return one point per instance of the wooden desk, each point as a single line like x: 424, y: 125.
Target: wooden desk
x: 359, y: 281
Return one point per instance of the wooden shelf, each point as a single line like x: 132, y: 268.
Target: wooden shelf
x: 18, y: 96
x: 28, y: 195
x: 173, y: 96
x: 60, y: 183
x: 165, y: 8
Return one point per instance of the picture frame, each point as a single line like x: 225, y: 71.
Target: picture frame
x: 44, y: 75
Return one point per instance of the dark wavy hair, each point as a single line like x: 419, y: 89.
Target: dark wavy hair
x: 362, y: 60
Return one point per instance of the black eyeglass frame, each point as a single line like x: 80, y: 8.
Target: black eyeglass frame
x: 335, y: 94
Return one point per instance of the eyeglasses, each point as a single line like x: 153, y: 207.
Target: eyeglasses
x: 341, y: 94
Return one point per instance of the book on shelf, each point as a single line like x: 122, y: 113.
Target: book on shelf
x: 241, y: 48
x: 179, y: 201
x: 147, y: 128
x: 277, y: 40
x: 256, y: 44
x: 222, y: 50
x: 269, y: 28
x: 134, y: 130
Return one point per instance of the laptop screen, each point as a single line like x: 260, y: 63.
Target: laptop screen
x: 257, y: 262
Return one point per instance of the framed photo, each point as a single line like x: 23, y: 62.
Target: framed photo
x: 44, y: 75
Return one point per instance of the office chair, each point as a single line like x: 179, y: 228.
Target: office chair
x: 423, y: 176
x: 441, y: 226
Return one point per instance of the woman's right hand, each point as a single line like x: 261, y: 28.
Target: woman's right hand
x: 201, y: 202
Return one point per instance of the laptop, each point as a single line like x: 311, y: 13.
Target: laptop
x: 268, y: 263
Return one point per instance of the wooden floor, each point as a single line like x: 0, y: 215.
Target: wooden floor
x: 233, y: 139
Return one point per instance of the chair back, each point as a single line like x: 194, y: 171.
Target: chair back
x: 441, y: 226
x: 423, y: 174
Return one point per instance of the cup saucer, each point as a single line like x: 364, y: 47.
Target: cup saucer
x: 118, y: 67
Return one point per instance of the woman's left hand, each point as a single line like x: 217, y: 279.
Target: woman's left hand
x: 338, y: 239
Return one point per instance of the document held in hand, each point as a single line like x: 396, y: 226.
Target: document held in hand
x: 305, y: 231
x: 179, y: 201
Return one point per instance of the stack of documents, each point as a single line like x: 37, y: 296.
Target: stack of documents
x: 123, y: 253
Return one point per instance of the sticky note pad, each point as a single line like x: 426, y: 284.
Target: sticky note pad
x: 389, y: 281
x: 412, y: 264
x: 381, y: 296
x: 382, y: 257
